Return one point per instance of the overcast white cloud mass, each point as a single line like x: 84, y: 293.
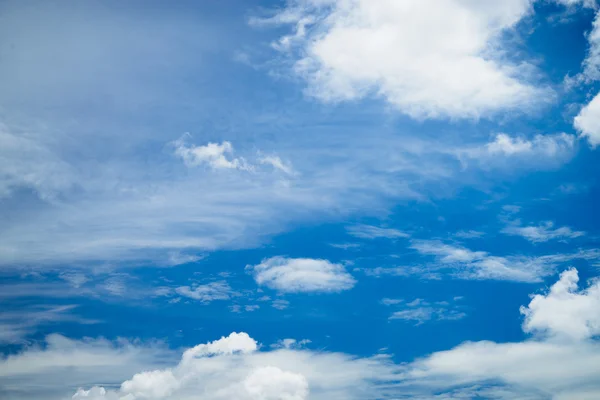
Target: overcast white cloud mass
x: 430, y: 59
x: 296, y: 275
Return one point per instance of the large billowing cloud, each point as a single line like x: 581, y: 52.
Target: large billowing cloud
x: 428, y: 58
x: 231, y: 368
x: 561, y: 360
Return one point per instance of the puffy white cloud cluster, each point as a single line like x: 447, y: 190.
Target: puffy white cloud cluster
x: 565, y: 312
x: 294, y: 275
x: 428, y: 58
x: 561, y: 360
x: 232, y: 368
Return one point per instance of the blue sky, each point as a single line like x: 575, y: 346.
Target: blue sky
x: 302, y: 199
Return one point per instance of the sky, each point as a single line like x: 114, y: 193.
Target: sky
x: 299, y: 200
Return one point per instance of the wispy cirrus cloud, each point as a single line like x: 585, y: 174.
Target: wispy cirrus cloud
x: 464, y: 263
x: 421, y: 311
x: 541, y: 233
x: 206, y: 293
x: 375, y: 232
x: 17, y: 325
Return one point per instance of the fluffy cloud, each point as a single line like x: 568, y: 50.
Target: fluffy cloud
x: 56, y: 369
x: 214, y: 155
x: 587, y: 122
x: 430, y: 59
x: 562, y: 361
x: 294, y: 275
x: 542, y: 233
x: 231, y: 368
x: 564, y: 312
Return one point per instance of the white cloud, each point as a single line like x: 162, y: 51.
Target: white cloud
x: 470, y: 234
x: 231, y: 368
x: 280, y: 304
x: 118, y: 195
x: 591, y: 63
x: 428, y: 58
x: 565, y: 312
x: 277, y: 163
x: 271, y: 383
x: 464, y: 263
x: 504, y: 149
x: 206, y: 293
x: 27, y: 164
x: 17, y: 326
x: 295, y: 275
x: 214, y: 155
x: 542, y: 233
x: 561, y: 362
x: 587, y: 122
x: 375, y: 232
x: 291, y: 344
x: 56, y: 369
x: 390, y: 302
x: 421, y: 311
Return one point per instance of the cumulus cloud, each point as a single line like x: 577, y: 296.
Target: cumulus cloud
x: 562, y: 361
x: 213, y: 155
x: 295, y: 275
x: 234, y: 367
x: 565, y: 312
x: 375, y: 232
x: 587, y: 122
x: 58, y: 366
x: 542, y: 233
x: 429, y: 59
